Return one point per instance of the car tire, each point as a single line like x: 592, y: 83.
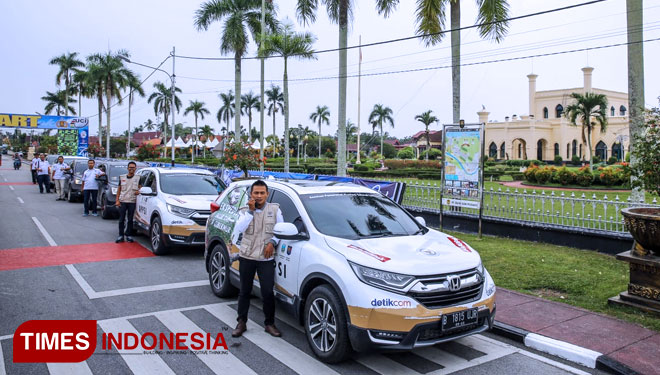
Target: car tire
x: 319, y: 326
x: 105, y: 213
x: 156, y: 237
x: 69, y: 196
x: 219, y: 269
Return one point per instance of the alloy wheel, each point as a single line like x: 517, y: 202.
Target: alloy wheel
x: 322, y: 325
x: 218, y: 272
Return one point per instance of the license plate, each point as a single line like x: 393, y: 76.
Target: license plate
x: 459, y: 319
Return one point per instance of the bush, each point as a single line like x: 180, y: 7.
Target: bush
x: 612, y: 160
x: 361, y: 167
x: 558, y: 160
x: 430, y: 176
x: 584, y: 177
x: 530, y: 173
x: 325, y: 171
x: 608, y: 176
x: 564, y: 176
x: 406, y: 153
x: 434, y: 154
x: 597, y: 159
x: 389, y: 151
x: 627, y: 158
x: 329, y: 154
x: 542, y: 175
x: 517, y: 176
x: 147, y: 152
x: 400, y: 164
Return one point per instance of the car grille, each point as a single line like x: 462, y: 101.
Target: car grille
x: 434, y: 300
x: 200, y: 220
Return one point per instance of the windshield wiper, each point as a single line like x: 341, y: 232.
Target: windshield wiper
x: 376, y: 235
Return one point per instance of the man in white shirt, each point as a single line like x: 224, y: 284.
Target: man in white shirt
x: 43, y: 173
x: 90, y: 188
x: 58, y: 176
x: 33, y: 166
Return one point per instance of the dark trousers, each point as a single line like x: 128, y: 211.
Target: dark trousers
x: 126, y: 211
x: 43, y: 179
x: 89, y: 200
x: 34, y: 176
x: 266, y: 272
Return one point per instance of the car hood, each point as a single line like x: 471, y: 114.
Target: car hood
x: 195, y: 202
x: 430, y: 254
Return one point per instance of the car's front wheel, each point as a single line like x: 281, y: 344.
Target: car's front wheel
x: 219, y: 268
x: 105, y: 212
x: 70, y: 196
x: 157, y: 238
x: 325, y: 325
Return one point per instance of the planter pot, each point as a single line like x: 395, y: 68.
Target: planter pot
x: 644, y: 225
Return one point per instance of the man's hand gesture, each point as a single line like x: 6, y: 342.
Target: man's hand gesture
x: 269, y: 250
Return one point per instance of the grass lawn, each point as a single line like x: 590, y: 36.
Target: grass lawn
x: 577, y: 277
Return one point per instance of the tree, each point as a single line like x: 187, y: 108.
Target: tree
x: 587, y: 107
x: 238, y: 17
x: 351, y: 131
x: 58, y: 100
x: 162, y: 99
x: 207, y: 132
x: 321, y: 115
x: 149, y: 125
x: 249, y: 102
x: 84, y: 87
x: 226, y: 111
x: 635, y: 52
x: 199, y: 110
x: 378, y: 115
x: 431, y: 15
x: 339, y: 12
x: 134, y: 86
x: 427, y: 119
x: 288, y: 43
x: 94, y: 80
x: 68, y: 64
x: 275, y: 100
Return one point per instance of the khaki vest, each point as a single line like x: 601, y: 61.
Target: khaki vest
x: 259, y: 232
x: 128, y: 188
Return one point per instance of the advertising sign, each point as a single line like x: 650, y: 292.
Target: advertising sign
x: 67, y: 142
x: 79, y: 125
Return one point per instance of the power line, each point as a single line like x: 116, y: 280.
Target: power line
x: 410, y: 37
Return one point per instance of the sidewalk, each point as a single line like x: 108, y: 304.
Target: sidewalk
x: 606, y: 343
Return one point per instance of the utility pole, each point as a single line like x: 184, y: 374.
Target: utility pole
x: 261, y: 98
x: 173, y: 105
x: 358, y: 114
x: 635, y: 15
x: 128, y: 137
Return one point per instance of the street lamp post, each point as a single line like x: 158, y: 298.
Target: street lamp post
x: 305, y: 148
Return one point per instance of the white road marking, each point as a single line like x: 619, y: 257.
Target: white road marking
x: 3, y: 371
x: 453, y: 363
x: 11, y: 187
x: 139, y: 364
x: 286, y: 353
x: 562, y: 349
x: 81, y: 281
x: 553, y: 363
x: 43, y: 231
x: 80, y: 368
x: 176, y: 322
x: 384, y: 365
x: 20, y: 200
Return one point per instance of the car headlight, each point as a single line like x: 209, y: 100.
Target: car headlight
x: 489, y: 288
x: 480, y: 268
x: 78, y: 181
x: 114, y: 190
x: 381, y: 279
x: 180, y: 211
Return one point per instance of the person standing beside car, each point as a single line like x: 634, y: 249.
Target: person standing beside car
x: 90, y: 188
x: 256, y: 222
x: 43, y: 173
x: 33, y: 166
x: 58, y: 176
x: 127, y: 191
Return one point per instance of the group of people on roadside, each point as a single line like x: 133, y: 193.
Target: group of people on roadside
x: 43, y: 172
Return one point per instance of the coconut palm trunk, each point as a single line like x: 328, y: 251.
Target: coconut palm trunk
x: 286, y: 117
x: 380, y: 124
x: 428, y: 143
x: 343, y: 43
x: 99, y: 97
x: 195, y: 137
x: 455, y: 12
x: 237, y: 98
x: 635, y: 12
x: 66, y: 95
x: 108, y: 99
x: 319, y: 138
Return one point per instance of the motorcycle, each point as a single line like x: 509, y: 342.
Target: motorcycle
x: 17, y: 164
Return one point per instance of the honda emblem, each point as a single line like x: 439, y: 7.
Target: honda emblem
x: 454, y: 282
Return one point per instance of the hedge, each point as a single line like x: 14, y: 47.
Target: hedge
x: 401, y: 164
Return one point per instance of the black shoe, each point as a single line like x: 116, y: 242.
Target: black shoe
x: 129, y: 239
x: 120, y: 239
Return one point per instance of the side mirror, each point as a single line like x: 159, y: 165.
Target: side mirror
x: 421, y: 221
x: 214, y: 207
x: 288, y: 231
x: 146, y: 190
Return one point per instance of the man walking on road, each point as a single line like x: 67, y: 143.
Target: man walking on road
x: 127, y: 192
x: 33, y: 166
x: 90, y: 188
x: 256, y: 222
x: 58, y: 177
x: 43, y: 173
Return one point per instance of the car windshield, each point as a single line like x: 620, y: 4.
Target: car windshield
x: 190, y: 184
x: 117, y: 171
x: 79, y: 167
x: 355, y: 216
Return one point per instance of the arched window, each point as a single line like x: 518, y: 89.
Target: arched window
x: 574, y: 148
x: 622, y: 111
x: 616, y: 150
x: 519, y: 150
x: 545, y: 112
x: 539, y: 149
x: 601, y: 150
x: 559, y: 110
x: 568, y: 151
x: 556, y: 149
x: 580, y: 151
x: 612, y: 111
x: 492, y: 150
x: 502, y: 151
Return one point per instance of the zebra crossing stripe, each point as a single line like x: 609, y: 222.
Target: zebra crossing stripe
x: 218, y: 363
x: 384, y: 365
x: 136, y: 361
x: 284, y: 352
x: 3, y: 371
x: 455, y: 363
x: 80, y: 368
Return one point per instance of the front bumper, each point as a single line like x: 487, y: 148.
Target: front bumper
x: 423, y: 334
x: 191, y: 235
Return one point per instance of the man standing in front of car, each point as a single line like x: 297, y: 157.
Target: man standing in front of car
x: 127, y: 191
x: 90, y: 188
x: 256, y: 222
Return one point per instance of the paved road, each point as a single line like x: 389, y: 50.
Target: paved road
x: 56, y: 264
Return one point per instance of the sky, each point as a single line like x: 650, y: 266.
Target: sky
x: 35, y: 31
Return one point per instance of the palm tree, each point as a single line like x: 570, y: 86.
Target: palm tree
x: 226, y: 111
x: 199, y: 110
x: 207, y: 132
x: 68, y: 64
x: 249, y: 102
x: 492, y: 18
x: 84, y: 87
x: 116, y: 77
x: 134, y: 85
x: 321, y: 115
x: 587, y: 107
x: 340, y: 12
x: 427, y: 119
x: 58, y: 100
x: 287, y: 43
x: 275, y: 100
x: 379, y: 115
x: 149, y: 125
x: 238, y: 17
x: 162, y: 99
x: 94, y: 80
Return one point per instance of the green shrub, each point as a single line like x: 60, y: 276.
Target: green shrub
x: 406, y: 153
x: 564, y: 176
x: 361, y: 167
x: 542, y: 175
x: 434, y: 154
x: 608, y: 176
x: 612, y: 160
x: 530, y: 173
x: 325, y: 171
x: 400, y: 164
x: 597, y: 159
x: 430, y: 176
x: 329, y: 154
x: 517, y: 176
x: 558, y: 160
x: 627, y: 158
x: 584, y: 177
x: 576, y: 160
x: 492, y: 176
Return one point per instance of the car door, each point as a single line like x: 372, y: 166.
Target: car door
x: 288, y: 252
x: 102, y: 181
x: 141, y: 213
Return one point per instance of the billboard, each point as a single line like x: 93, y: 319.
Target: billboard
x: 72, y: 128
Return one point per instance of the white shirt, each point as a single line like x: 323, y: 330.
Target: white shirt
x: 34, y: 163
x: 58, y: 170
x: 43, y: 164
x: 89, y: 178
x: 245, y: 219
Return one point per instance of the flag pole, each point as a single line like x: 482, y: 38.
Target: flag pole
x: 358, y: 111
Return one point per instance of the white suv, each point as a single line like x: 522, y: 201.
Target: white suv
x: 173, y: 205
x: 357, y: 270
